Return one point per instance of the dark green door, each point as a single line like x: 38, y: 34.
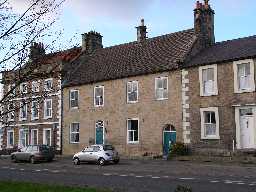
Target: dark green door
x: 99, y: 135
x: 169, y: 138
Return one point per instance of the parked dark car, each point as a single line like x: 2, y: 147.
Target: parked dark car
x: 34, y: 153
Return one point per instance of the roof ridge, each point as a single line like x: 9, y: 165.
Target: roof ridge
x: 238, y: 39
x: 151, y: 38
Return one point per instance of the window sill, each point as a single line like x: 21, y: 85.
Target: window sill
x: 133, y: 143
x: 34, y: 119
x: 47, y: 117
x: 23, y: 119
x: 161, y: 99
x: 74, y: 142
x: 98, y: 106
x: 211, y: 138
x: 213, y: 94
x: 245, y: 91
x: 132, y: 102
x: 74, y: 108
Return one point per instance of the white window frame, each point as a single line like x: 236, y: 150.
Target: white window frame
x: 127, y: 93
x: 31, y: 137
x: 23, y: 88
x: 70, y: 132
x: 70, y: 99
x: 10, y: 86
x: 99, y: 86
x: 215, y: 68
x: 8, y: 143
x: 216, y: 111
x: 35, y: 86
x: 45, y: 109
x: 27, y: 142
x: 161, y: 78
x: 252, y: 77
x: 127, y: 131
x: 44, y: 140
x: 32, y: 109
x: 45, y: 84
x: 9, y: 114
x: 21, y: 107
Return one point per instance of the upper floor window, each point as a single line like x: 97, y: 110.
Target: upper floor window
x: 23, y: 88
x: 133, y: 130
x: 48, y: 108
x: 48, y: 84
x: 161, y: 88
x: 74, y: 133
x: 98, y: 96
x: 244, y: 76
x: 35, y: 86
x: 10, y: 138
x: 11, y: 112
x: 11, y: 89
x: 209, y: 123
x: 132, y: 91
x: 208, y: 80
x: 34, y: 110
x: 23, y: 110
x: 73, y: 98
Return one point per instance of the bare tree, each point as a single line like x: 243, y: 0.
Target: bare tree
x: 21, y: 59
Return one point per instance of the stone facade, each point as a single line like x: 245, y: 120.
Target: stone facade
x: 153, y: 115
x: 227, y: 103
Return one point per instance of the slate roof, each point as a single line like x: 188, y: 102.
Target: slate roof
x: 225, y: 51
x: 153, y: 55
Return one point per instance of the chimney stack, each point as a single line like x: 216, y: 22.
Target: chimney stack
x: 204, y: 23
x: 36, y: 50
x: 91, y: 41
x: 141, y: 32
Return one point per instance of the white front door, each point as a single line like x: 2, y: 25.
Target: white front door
x: 247, y: 131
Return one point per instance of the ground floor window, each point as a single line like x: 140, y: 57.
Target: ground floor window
x: 209, y: 123
x: 34, y: 137
x: 47, y: 137
x: 23, y: 137
x: 10, y: 138
x: 74, y: 133
x: 133, y: 130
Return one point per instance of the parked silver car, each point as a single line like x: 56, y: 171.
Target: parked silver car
x: 34, y: 153
x: 97, y: 153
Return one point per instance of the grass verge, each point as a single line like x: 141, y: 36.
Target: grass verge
x: 10, y: 186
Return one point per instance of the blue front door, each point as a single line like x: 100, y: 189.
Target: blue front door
x: 169, y: 138
x: 99, y: 135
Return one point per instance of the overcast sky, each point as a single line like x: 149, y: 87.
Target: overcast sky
x: 116, y: 19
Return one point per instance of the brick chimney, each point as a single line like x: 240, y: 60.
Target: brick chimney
x: 91, y: 41
x: 204, y: 23
x: 36, y: 50
x: 141, y: 32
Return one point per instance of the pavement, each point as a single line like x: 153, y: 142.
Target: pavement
x: 136, y: 175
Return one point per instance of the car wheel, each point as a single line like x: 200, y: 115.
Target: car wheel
x: 101, y: 161
x: 76, y: 161
x: 32, y: 160
x: 14, y: 159
x: 116, y: 161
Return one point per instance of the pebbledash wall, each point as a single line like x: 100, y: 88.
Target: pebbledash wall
x: 227, y: 102
x: 153, y: 114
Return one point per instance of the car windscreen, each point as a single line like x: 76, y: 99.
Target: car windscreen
x: 108, y: 147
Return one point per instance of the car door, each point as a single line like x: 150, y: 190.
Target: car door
x: 20, y: 155
x: 85, y: 154
x: 27, y: 153
x: 95, y: 154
